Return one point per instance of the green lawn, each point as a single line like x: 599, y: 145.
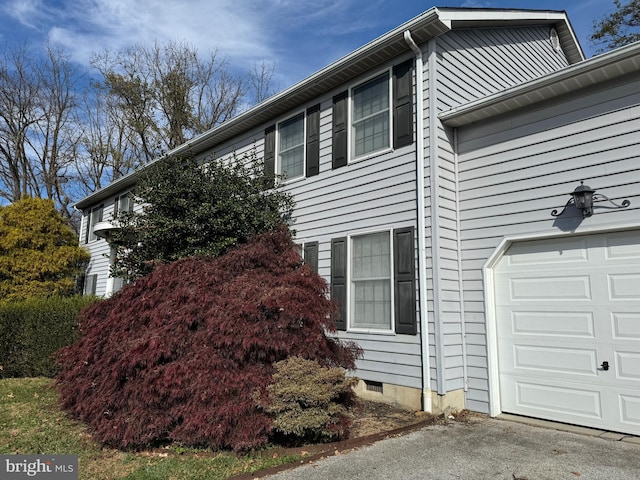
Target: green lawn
x: 32, y: 423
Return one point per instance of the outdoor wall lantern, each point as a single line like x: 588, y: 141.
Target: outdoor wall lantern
x: 584, y: 196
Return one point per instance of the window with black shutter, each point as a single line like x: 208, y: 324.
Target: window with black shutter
x: 379, y: 277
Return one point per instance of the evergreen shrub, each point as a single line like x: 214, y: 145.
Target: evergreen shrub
x: 32, y: 330
x: 182, y: 354
x: 309, y: 402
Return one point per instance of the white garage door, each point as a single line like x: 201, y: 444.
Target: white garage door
x: 568, y: 314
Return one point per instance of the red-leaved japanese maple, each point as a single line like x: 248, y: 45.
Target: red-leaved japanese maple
x: 180, y: 355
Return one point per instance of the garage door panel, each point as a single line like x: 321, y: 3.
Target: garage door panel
x: 626, y: 326
x: 567, y: 250
x: 627, y: 366
x: 558, y: 401
x: 553, y: 323
x: 622, y: 246
x: 560, y: 360
x: 630, y: 411
x: 624, y: 286
x: 551, y: 288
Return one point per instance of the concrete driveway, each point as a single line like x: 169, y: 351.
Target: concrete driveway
x: 484, y: 448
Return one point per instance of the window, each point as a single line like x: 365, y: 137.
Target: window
x: 373, y: 281
x: 95, y: 216
x: 124, y: 203
x: 298, y: 152
x: 291, y: 147
x: 370, y: 289
x: 371, y: 116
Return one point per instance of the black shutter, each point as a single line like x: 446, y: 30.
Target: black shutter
x: 270, y: 156
x: 404, y: 280
x: 313, y: 141
x: 87, y: 227
x: 403, y: 104
x: 339, y: 279
x: 339, y: 144
x: 311, y: 255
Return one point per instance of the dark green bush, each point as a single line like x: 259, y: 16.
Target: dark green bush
x: 309, y: 402
x: 32, y: 330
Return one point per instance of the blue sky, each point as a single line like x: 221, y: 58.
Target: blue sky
x: 300, y: 36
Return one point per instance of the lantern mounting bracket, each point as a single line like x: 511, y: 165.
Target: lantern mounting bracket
x: 583, y: 198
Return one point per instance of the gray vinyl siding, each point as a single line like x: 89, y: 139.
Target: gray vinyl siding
x: 470, y: 64
x: 476, y: 63
x: 513, y: 171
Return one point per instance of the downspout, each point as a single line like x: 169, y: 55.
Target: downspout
x: 422, y: 251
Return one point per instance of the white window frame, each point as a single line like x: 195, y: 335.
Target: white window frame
x: 278, y: 163
x: 116, y: 204
x: 352, y: 131
x: 91, y: 236
x: 349, y: 281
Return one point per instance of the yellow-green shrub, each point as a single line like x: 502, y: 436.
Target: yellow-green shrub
x: 309, y: 402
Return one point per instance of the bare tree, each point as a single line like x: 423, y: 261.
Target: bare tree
x: 168, y: 94
x: 37, y: 134
x: 261, y: 81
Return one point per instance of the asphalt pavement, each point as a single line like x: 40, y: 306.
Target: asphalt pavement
x: 484, y: 448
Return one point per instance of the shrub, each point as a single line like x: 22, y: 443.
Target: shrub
x: 309, y: 402
x: 32, y: 330
x: 180, y: 354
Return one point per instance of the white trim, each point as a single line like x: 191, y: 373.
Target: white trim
x: 495, y: 407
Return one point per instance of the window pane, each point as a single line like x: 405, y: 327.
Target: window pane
x: 372, y: 134
x: 371, y: 281
x: 292, y: 163
x: 291, y: 147
x: 371, y: 98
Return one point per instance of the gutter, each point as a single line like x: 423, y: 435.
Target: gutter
x: 422, y: 251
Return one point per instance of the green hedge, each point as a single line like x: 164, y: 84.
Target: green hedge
x: 31, y: 331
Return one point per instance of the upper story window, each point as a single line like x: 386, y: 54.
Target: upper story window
x: 298, y: 147
x: 124, y: 203
x: 95, y: 216
x: 371, y: 116
x: 291, y: 147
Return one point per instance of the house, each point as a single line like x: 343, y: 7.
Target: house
x: 425, y: 166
